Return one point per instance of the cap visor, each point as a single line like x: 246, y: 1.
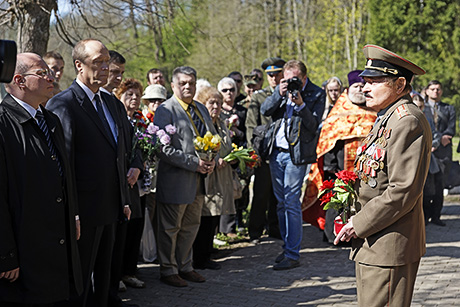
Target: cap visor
x: 373, y: 73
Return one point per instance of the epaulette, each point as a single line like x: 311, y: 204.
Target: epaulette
x: 402, y: 111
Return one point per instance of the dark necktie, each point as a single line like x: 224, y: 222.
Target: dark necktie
x: 105, y: 123
x: 44, y: 127
x: 200, y: 127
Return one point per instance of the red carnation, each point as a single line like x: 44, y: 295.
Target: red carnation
x: 327, y: 185
x: 346, y: 176
x: 326, y: 197
x: 150, y: 116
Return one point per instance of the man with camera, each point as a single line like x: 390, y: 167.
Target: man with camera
x: 296, y: 107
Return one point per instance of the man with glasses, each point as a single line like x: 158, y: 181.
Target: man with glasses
x: 263, y: 209
x: 392, y: 163
x: 39, y: 225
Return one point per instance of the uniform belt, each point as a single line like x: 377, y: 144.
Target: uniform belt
x: 282, y: 149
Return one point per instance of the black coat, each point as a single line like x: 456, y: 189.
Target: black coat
x: 37, y: 210
x: 100, y: 168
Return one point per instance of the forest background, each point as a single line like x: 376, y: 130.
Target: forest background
x: 217, y: 37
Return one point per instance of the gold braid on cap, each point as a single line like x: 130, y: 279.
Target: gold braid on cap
x: 384, y: 69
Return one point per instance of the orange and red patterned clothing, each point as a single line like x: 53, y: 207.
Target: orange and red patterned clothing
x: 346, y: 122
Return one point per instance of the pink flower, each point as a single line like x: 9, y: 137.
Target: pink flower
x: 170, y: 129
x: 152, y: 129
x: 234, y: 120
x: 160, y: 133
x: 165, y: 139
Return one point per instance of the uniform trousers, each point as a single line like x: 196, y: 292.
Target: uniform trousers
x: 176, y: 229
x: 391, y: 286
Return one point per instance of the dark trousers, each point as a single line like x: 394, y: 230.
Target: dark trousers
x: 95, y: 247
x: 117, y: 262
x: 132, y: 246
x: 202, y: 246
x: 263, y: 208
x: 432, y: 204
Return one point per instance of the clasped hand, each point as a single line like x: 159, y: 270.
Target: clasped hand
x: 206, y: 167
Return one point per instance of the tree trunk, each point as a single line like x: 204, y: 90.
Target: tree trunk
x: 33, y: 24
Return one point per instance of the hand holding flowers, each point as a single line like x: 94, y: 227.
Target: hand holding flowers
x: 246, y: 157
x: 339, y: 194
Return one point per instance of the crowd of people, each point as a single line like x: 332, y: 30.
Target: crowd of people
x: 75, y: 188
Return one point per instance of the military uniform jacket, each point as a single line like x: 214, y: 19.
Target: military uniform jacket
x: 254, y: 118
x: 392, y: 165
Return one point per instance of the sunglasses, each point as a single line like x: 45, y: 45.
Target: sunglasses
x: 225, y: 90
x: 153, y: 100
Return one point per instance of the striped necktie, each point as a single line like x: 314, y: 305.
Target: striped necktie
x: 44, y: 128
x: 200, y: 127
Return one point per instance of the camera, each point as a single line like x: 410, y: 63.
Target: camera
x: 7, y: 60
x: 294, y: 86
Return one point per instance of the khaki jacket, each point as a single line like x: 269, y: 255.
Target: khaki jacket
x: 390, y: 223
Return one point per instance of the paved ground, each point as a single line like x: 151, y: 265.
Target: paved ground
x: 325, y: 278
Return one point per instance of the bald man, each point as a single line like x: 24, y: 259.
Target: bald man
x: 39, y: 225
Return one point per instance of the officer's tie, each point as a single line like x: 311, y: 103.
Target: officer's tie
x: 44, y: 127
x: 200, y: 127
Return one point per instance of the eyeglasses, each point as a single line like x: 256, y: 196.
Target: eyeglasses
x: 42, y: 73
x: 225, y: 90
x: 154, y: 100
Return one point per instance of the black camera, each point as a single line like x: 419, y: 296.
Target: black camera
x: 7, y: 60
x: 294, y: 86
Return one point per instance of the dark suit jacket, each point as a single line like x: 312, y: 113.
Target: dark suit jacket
x: 37, y: 209
x: 100, y: 168
x: 445, y: 126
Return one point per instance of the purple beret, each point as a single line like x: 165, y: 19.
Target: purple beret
x: 353, y: 77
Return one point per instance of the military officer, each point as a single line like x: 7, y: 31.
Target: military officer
x: 263, y: 209
x: 392, y: 163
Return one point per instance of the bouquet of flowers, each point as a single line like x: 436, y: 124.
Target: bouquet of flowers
x: 148, y: 137
x: 246, y: 157
x: 233, y: 120
x: 340, y: 195
x: 207, y: 146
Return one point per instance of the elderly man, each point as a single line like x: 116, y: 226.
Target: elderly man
x: 296, y: 107
x: 392, y: 164
x: 180, y: 180
x: 96, y: 133
x: 263, y: 209
x: 39, y: 225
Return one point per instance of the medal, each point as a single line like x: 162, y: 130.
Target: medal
x: 372, y: 182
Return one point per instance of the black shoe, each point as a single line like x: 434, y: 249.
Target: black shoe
x: 209, y: 264
x: 286, y: 264
x: 279, y: 258
x: 438, y: 222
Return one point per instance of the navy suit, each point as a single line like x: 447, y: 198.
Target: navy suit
x: 100, y: 171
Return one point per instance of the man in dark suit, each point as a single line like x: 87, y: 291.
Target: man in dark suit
x: 444, y: 121
x: 180, y: 181
x: 94, y: 127
x: 39, y: 225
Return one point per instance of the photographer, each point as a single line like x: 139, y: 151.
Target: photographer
x: 296, y: 107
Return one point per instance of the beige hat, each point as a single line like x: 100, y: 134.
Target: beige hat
x: 154, y: 91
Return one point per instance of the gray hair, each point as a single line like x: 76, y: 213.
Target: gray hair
x: 186, y: 70
x: 226, y: 80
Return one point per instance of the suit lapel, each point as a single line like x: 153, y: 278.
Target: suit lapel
x: 88, y: 107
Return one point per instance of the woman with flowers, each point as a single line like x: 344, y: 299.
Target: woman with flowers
x: 129, y: 93
x: 219, y: 187
x: 235, y: 116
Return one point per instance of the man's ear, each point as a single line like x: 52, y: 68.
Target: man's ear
x: 78, y: 65
x: 19, y: 80
x: 400, y: 85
